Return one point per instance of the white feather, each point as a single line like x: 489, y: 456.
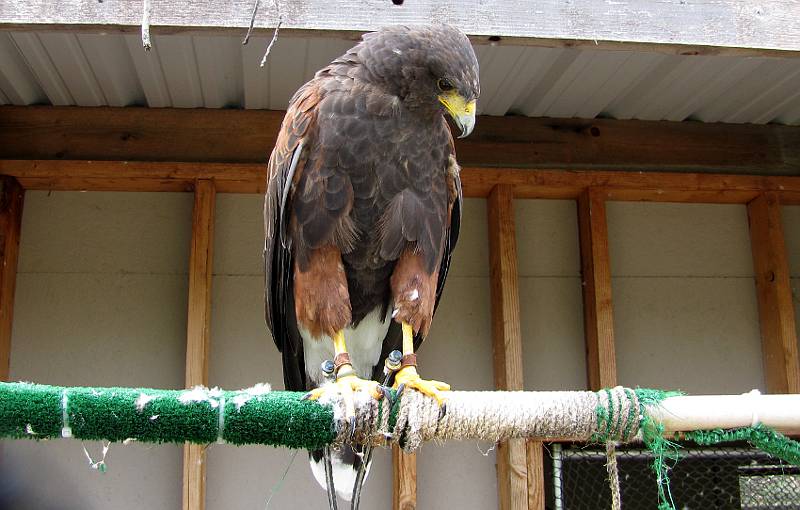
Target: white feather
x: 364, y: 344
x: 344, y: 476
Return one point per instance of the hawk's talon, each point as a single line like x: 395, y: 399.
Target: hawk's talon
x: 386, y: 393
x: 400, y: 390
x: 407, y: 377
x: 442, y: 411
x: 352, y: 433
x: 346, y: 386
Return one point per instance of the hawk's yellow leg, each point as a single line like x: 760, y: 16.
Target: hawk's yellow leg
x: 409, y: 377
x: 347, y: 382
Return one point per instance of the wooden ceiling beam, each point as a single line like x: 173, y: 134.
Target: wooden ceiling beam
x: 477, y: 182
x: 247, y: 136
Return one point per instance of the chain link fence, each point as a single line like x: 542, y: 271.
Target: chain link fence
x: 705, y: 478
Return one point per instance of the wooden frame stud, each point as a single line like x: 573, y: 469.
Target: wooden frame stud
x: 11, y: 201
x: 512, y: 468
x: 775, y: 307
x: 198, y: 330
x: 598, y: 323
x: 404, y: 473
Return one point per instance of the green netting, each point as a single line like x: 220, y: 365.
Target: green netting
x: 763, y: 438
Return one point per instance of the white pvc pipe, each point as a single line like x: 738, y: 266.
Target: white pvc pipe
x: 685, y: 413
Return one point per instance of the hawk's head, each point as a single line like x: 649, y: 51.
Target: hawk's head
x: 429, y: 68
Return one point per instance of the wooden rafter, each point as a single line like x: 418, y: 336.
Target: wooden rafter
x: 512, y: 468
x: 247, y: 136
x: 198, y: 331
x: 477, y: 182
x: 676, y: 26
x: 11, y: 200
x: 775, y: 306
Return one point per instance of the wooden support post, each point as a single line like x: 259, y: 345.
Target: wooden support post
x: 535, y: 453
x: 11, y: 198
x: 198, y: 330
x: 404, y: 471
x: 598, y: 320
x: 776, y: 311
x: 512, y: 469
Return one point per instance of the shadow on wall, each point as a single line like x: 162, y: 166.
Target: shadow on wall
x: 16, y: 494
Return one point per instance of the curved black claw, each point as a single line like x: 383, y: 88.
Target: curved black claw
x: 442, y: 411
x: 352, y: 434
x: 387, y: 394
x: 400, y: 390
x: 306, y: 396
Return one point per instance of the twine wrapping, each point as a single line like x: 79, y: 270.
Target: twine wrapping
x: 494, y: 416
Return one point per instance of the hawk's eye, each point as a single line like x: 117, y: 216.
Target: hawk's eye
x: 445, y: 85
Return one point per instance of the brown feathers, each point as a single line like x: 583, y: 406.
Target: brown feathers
x: 322, y: 301
x: 414, y: 291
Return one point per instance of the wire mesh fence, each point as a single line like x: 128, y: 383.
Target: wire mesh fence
x: 730, y: 477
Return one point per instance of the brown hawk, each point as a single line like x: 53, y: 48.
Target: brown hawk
x: 362, y: 213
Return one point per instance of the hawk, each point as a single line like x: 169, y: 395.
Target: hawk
x: 362, y: 212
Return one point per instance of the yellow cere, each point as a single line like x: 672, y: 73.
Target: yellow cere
x: 456, y: 104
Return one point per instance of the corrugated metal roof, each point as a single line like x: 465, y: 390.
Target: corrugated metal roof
x: 193, y: 71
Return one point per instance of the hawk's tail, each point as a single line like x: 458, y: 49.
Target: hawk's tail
x: 345, y: 462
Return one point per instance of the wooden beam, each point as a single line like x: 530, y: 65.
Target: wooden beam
x: 477, y: 182
x: 598, y: 318
x: 536, y: 482
x: 247, y: 136
x: 404, y: 474
x: 512, y: 469
x: 11, y: 200
x: 685, y: 26
x: 776, y: 310
x: 198, y: 331
x: 625, y: 186
x: 506, y: 334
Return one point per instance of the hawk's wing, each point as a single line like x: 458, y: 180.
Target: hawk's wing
x: 285, y: 166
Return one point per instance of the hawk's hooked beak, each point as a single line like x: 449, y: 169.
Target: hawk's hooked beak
x: 462, y: 112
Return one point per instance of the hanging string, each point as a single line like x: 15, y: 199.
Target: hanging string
x: 277, y: 487
x: 100, y: 465
x: 613, y: 475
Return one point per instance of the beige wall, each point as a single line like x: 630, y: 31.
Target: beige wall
x: 685, y: 310
x: 551, y: 305
x: 791, y: 232
x: 101, y: 300
x: 102, y: 297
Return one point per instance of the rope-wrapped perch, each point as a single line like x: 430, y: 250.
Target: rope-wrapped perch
x: 497, y: 416
x: 260, y: 416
